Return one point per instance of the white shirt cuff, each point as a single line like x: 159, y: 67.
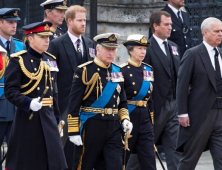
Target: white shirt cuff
x: 183, y: 115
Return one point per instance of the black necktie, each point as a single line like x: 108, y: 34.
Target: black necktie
x: 167, y: 50
x: 217, y: 66
x: 79, y: 52
x: 7, y: 48
x: 178, y: 15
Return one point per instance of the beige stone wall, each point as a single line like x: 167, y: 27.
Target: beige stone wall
x: 124, y: 17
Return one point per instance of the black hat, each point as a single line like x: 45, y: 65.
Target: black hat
x: 107, y: 39
x: 40, y: 28
x: 9, y: 14
x: 57, y: 4
x: 136, y: 39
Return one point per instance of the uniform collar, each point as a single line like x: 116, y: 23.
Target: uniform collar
x: 4, y: 40
x: 98, y: 62
x: 134, y: 63
x: 34, y: 53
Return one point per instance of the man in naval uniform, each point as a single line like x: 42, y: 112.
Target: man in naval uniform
x: 98, y: 93
x: 34, y: 143
x: 8, y: 25
x: 55, y: 13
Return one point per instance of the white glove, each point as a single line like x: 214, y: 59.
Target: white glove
x: 35, y: 105
x: 127, y: 125
x: 77, y: 140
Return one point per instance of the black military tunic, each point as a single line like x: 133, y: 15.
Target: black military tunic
x: 34, y: 144
x: 142, y: 141
x: 56, y: 33
x: 101, y: 133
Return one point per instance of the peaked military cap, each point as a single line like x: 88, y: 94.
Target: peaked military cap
x: 107, y: 39
x: 10, y: 14
x: 57, y: 4
x: 136, y: 39
x: 40, y: 28
x: 2, y: 51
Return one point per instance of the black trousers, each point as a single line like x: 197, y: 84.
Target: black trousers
x: 142, y: 141
x: 101, y: 138
x: 209, y: 135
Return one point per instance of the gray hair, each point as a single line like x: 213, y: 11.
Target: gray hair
x: 129, y: 48
x: 207, y: 23
x: 45, y: 15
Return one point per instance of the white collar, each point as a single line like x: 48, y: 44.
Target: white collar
x: 174, y: 9
x: 209, y: 47
x: 159, y: 41
x: 74, y: 38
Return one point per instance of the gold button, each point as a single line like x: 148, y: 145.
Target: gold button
x: 148, y: 92
x: 131, y: 75
x: 135, y: 92
x: 38, y: 88
x: 114, y: 96
x: 114, y: 105
x: 133, y: 83
x: 144, y: 68
x: 35, y: 69
x: 32, y: 61
x: 128, y: 66
x: 98, y: 69
x: 52, y: 78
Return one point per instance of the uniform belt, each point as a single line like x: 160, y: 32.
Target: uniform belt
x: 47, y: 101
x: 140, y: 103
x: 106, y: 111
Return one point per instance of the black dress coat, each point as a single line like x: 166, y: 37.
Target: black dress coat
x: 34, y: 144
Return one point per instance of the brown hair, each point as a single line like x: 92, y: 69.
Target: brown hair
x: 71, y: 11
x: 155, y: 18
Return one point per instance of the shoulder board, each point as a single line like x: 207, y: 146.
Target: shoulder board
x: 59, y: 28
x: 115, y: 64
x: 18, y: 54
x: 123, y: 65
x: 147, y: 64
x: 50, y: 55
x: 85, y: 64
x: 16, y: 39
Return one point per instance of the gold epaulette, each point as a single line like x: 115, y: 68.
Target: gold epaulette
x: 50, y: 55
x: 147, y: 64
x: 73, y: 123
x: 18, y: 54
x: 84, y: 64
x: 123, y: 65
x: 123, y: 114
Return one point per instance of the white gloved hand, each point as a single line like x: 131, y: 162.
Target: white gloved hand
x: 77, y: 140
x: 127, y: 125
x: 35, y: 105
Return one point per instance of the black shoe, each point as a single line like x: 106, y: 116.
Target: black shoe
x: 162, y: 156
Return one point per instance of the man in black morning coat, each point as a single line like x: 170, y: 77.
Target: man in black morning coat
x: 165, y: 63
x: 71, y: 50
x: 199, y: 99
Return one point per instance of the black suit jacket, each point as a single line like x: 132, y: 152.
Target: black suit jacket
x: 177, y: 34
x: 162, y: 76
x: 196, y: 90
x: 64, y: 50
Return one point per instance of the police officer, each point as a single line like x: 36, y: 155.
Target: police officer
x: 8, y: 26
x: 55, y: 13
x: 138, y: 77
x: 34, y: 143
x: 98, y: 92
x: 2, y: 54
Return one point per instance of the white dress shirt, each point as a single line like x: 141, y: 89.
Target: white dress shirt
x: 160, y: 43
x: 74, y: 39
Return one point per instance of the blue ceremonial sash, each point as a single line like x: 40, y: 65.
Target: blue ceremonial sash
x: 102, y: 100
x: 142, y: 93
x: 19, y: 46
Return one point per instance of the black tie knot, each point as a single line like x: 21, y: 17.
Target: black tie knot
x: 216, y: 52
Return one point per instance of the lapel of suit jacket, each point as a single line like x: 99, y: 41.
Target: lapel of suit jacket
x: 12, y: 46
x: 176, y: 60
x: 160, y: 54
x: 70, y: 50
x: 174, y: 18
x: 87, y: 45
x: 208, y: 65
x: 185, y: 18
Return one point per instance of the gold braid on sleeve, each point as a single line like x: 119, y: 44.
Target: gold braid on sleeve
x: 5, y: 63
x: 92, y: 82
